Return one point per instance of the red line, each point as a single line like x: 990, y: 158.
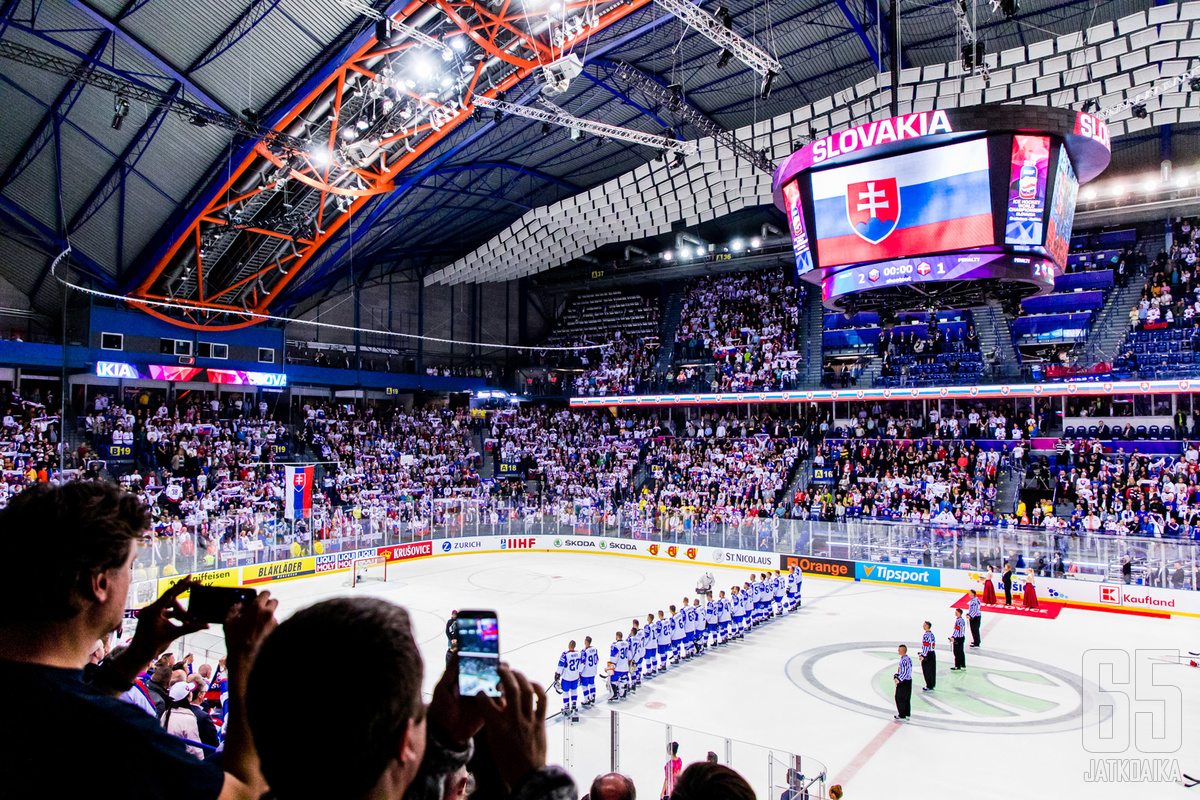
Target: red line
x: 868, y: 752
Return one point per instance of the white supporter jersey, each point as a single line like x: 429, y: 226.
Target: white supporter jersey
x: 589, y: 662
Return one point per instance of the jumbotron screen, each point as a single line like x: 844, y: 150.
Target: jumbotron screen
x: 927, y: 201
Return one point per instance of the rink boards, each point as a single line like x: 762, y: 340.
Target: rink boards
x: 1090, y: 595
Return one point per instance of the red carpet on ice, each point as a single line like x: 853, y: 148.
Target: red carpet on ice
x: 1044, y: 610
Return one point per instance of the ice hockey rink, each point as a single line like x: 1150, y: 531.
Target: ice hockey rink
x: 1022, y: 718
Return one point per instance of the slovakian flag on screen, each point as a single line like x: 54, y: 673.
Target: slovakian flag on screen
x: 298, y: 492
x: 910, y: 204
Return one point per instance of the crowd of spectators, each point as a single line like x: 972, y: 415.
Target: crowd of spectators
x: 749, y: 324
x: 625, y: 365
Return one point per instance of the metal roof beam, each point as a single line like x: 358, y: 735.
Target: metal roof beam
x: 484, y: 166
x: 18, y: 218
x: 44, y: 131
x: 253, y: 14
x: 145, y: 52
x: 858, y: 29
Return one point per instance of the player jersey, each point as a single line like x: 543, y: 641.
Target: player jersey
x: 710, y: 612
x: 569, y: 664
x: 739, y: 605
x: 636, y: 650
x: 618, y: 656
x: 589, y: 662
x: 663, y: 629
x: 677, y: 625
x: 723, y: 609
x: 691, y: 618
x: 779, y: 586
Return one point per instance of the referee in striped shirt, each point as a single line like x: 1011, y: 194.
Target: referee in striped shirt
x: 903, y: 679
x: 958, y: 637
x: 975, y: 618
x: 928, y: 659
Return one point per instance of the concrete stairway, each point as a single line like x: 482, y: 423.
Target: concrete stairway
x: 1112, y: 323
x: 996, y: 335
x: 671, y: 315
x: 812, y: 321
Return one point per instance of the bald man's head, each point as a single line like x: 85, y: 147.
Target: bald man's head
x: 613, y: 786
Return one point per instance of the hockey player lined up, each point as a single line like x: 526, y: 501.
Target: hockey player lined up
x: 567, y: 678
x: 589, y: 666
x: 794, y: 580
x: 724, y: 617
x: 711, y: 623
x: 738, y: 610
x: 637, y: 652
x: 618, y: 669
x: 780, y: 592
x: 698, y: 627
x: 691, y: 629
x: 677, y: 634
x: 663, y: 633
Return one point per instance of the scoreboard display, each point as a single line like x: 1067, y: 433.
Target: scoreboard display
x: 949, y: 195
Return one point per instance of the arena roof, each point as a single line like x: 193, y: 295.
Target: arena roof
x: 126, y: 197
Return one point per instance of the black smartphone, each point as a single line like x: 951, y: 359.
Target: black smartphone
x: 478, y: 653
x: 212, y: 603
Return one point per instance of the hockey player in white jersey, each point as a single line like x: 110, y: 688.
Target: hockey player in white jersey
x: 699, y: 626
x: 663, y: 628
x: 650, y: 644
x: 780, y: 593
x: 798, y: 575
x: 677, y: 629
x: 618, y: 669
x: 738, y: 609
x: 711, y: 622
x: 589, y: 666
x: 689, y: 628
x: 724, y: 616
x: 637, y: 652
x: 567, y: 678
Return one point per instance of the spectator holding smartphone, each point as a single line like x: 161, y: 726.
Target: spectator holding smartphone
x: 53, y: 618
x: 386, y: 742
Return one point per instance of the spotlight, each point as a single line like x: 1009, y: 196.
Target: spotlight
x: 198, y: 120
x: 679, y: 159
x: 459, y: 43
x: 497, y: 116
x: 1195, y: 84
x: 1182, y: 181
x: 598, y: 142
x: 1149, y: 185
x: 668, y: 255
x: 662, y: 155
x: 447, y: 82
x: 250, y: 116
x: 726, y: 57
x: 736, y: 245
x: 756, y: 243
x: 120, y: 111
x: 423, y: 68
x: 1010, y: 8
x: 1139, y: 111
x: 1091, y: 104
x: 766, y: 86
x: 1089, y: 193
x: 1118, y: 190
x: 447, y: 55
x: 685, y: 252
x: 545, y: 129
x: 383, y: 30
x: 477, y: 113
x: 362, y: 124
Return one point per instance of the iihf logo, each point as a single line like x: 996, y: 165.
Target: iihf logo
x: 873, y: 208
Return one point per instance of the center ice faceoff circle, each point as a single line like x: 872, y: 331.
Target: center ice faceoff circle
x: 998, y: 693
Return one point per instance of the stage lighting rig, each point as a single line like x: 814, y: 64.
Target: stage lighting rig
x: 720, y: 32
x: 553, y: 115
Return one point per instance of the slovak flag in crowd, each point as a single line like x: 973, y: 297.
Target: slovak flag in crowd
x: 298, y: 492
x: 929, y: 201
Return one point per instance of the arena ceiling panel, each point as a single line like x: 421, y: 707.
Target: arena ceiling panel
x: 141, y: 199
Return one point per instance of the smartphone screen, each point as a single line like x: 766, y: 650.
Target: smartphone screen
x: 212, y: 603
x: 478, y: 653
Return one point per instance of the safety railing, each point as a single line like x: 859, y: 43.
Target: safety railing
x: 1052, y: 552
x: 637, y: 747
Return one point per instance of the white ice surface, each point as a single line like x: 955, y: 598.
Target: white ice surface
x: 773, y: 690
